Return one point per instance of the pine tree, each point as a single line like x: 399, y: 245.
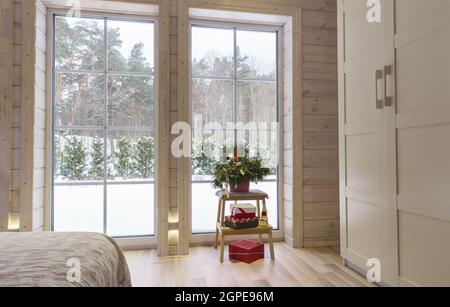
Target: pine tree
x: 97, y: 159
x: 143, y: 155
x: 74, y: 159
x: 123, y: 156
x: 203, y: 160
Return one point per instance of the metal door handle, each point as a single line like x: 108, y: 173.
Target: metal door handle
x: 378, y: 77
x: 387, y: 99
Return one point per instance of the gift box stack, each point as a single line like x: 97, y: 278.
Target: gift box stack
x: 242, y: 216
x: 246, y: 251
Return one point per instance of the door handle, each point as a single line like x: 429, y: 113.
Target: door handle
x: 378, y: 78
x: 387, y: 73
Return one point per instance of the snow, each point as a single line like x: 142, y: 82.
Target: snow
x: 130, y: 209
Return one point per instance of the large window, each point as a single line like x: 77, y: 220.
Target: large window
x: 234, y: 89
x: 103, y: 102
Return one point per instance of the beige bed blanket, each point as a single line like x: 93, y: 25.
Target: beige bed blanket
x: 56, y: 259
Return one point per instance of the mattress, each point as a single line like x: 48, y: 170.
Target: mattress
x: 61, y: 260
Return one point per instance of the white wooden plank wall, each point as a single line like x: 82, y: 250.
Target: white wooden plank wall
x: 40, y: 118
x: 6, y: 97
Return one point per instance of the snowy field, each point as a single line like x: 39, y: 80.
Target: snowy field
x: 129, y: 213
x: 130, y: 209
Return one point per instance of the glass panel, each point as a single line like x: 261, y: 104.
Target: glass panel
x: 256, y: 55
x: 204, y: 208
x: 212, y: 52
x: 207, y: 150
x: 130, y: 101
x: 271, y: 188
x: 257, y: 102
x: 130, y: 46
x: 79, y: 100
x: 130, y: 210
x: 213, y: 100
x: 79, y: 156
x: 204, y: 205
x: 79, y: 43
x: 131, y: 156
x: 78, y: 208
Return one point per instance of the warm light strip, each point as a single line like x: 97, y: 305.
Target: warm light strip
x: 173, y: 216
x: 173, y: 237
x: 14, y: 222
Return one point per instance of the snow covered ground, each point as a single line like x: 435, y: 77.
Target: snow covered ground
x: 129, y: 213
x: 130, y: 209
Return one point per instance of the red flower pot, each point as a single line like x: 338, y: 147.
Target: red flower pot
x: 244, y: 187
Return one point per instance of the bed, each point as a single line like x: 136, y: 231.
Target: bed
x: 61, y: 260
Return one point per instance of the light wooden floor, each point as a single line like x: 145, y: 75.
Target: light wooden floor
x: 315, y: 267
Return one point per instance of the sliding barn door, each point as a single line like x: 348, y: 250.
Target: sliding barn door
x: 362, y: 137
x: 421, y: 50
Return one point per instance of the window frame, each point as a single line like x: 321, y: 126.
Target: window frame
x: 199, y: 238
x: 145, y: 241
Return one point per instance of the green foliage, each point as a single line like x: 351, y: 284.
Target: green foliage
x: 203, y: 161
x: 97, y: 159
x: 123, y: 158
x: 73, y: 164
x: 79, y: 44
x: 234, y: 172
x: 143, y: 155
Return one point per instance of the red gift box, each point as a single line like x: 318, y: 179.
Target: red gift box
x: 243, y: 211
x: 246, y: 251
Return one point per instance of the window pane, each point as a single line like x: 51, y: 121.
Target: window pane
x: 78, y: 208
x: 204, y: 208
x: 78, y: 156
x: 212, y: 52
x: 130, y: 46
x: 261, y: 144
x: 79, y: 100
x: 79, y: 43
x: 257, y: 55
x: 207, y: 150
x: 204, y: 205
x: 271, y: 188
x: 130, y: 156
x: 130, y: 101
x: 213, y: 100
x: 130, y: 210
x: 257, y: 102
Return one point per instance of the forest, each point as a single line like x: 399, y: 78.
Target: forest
x: 104, y: 102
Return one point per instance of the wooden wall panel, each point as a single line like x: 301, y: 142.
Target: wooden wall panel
x: 6, y: 101
x: 39, y: 129
x: 320, y: 125
x: 27, y: 115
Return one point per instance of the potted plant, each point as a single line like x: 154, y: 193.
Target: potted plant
x: 238, y: 173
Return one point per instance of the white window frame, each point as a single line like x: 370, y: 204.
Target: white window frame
x: 208, y: 238
x: 131, y: 242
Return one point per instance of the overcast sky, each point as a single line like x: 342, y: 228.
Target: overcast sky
x: 261, y: 47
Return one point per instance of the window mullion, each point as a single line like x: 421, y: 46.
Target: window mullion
x: 235, y: 86
x: 105, y: 130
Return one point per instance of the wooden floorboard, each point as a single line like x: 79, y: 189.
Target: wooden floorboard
x: 313, y: 267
